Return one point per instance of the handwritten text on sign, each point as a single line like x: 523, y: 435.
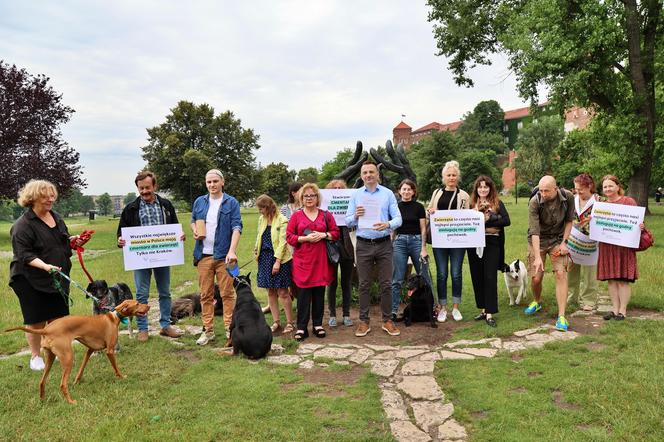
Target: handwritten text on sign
x: 616, y: 224
x: 456, y: 229
x: 152, y: 246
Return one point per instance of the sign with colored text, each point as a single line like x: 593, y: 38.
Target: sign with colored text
x: 457, y: 229
x: 582, y: 249
x: 152, y: 246
x: 336, y: 202
x: 616, y: 224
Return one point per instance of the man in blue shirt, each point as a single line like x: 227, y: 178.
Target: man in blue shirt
x: 216, y: 223
x: 374, y: 246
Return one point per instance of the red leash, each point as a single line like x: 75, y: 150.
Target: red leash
x: 85, y: 237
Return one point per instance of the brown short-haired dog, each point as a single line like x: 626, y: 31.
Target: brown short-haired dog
x: 95, y: 332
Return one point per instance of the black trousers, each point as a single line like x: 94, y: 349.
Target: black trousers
x: 346, y: 266
x: 310, y: 302
x: 484, y: 274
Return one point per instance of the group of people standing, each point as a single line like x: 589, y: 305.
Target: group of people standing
x: 292, y: 255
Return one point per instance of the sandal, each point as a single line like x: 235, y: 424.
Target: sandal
x: 275, y: 327
x: 319, y: 332
x: 288, y: 329
x: 300, y: 335
x: 491, y: 322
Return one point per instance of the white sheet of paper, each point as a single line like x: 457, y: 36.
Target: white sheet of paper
x: 371, y: 214
x: 457, y: 229
x: 616, y: 224
x: 582, y: 249
x: 152, y: 246
x: 336, y: 202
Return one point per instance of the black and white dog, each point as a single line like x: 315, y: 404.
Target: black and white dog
x: 105, y: 299
x: 516, y: 277
x: 419, y: 306
x: 249, y: 333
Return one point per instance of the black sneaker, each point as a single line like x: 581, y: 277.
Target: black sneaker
x: 480, y: 317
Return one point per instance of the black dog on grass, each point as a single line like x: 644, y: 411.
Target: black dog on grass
x: 419, y: 306
x: 249, y: 331
x: 106, y: 298
x: 190, y: 305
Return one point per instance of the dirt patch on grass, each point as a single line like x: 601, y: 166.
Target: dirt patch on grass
x: 188, y: 355
x: 534, y: 374
x: 519, y: 390
x: 559, y: 401
x: 479, y: 415
x: 517, y: 357
x: 329, y: 383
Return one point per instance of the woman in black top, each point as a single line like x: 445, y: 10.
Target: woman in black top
x: 485, y: 261
x: 408, y: 240
x: 41, y: 245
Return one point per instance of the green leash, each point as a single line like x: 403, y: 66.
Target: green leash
x: 58, y: 285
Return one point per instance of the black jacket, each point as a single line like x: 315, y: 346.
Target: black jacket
x: 129, y: 217
x: 500, y: 220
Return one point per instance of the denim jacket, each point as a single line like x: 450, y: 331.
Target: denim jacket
x: 228, y: 220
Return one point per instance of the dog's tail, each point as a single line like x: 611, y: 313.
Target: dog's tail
x: 39, y: 331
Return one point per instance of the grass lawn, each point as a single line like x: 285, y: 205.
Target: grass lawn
x: 600, y: 387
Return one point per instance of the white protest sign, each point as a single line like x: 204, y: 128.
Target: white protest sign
x: 582, y: 249
x: 152, y: 246
x: 457, y: 229
x: 616, y: 224
x: 336, y: 202
x: 371, y: 214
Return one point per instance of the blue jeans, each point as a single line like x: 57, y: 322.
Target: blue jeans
x: 162, y: 276
x: 403, y: 247
x: 455, y: 258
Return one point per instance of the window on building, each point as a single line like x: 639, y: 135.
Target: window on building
x: 506, y: 128
x: 507, y: 140
x: 519, y: 125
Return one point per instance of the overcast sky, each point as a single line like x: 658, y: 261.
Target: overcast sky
x: 310, y: 77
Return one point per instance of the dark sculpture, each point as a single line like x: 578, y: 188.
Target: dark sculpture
x: 397, y: 163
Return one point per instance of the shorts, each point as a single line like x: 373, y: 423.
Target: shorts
x: 558, y: 263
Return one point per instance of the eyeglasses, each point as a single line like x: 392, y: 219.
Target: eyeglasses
x: 309, y: 196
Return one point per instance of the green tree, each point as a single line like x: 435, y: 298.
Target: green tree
x: 474, y: 163
x: 131, y: 196
x: 275, y: 178
x: 536, y: 146
x: 335, y: 166
x: 427, y: 158
x: 486, y: 117
x: 104, y: 203
x: 194, y: 139
x: 599, y: 55
x: 308, y: 175
x: 74, y: 203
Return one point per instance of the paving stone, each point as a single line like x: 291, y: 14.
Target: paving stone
x: 543, y: 337
x: 564, y: 336
x: 415, y: 347
x: 409, y: 353
x: 361, y: 355
x: 383, y: 368
x: 466, y: 342
x: 276, y: 349
x: 431, y: 356
x: 407, y: 432
x: 497, y: 344
x: 333, y: 353
x: 193, y: 329
x: 513, y: 346
x: 308, y: 348
x: 533, y: 344
x: 417, y: 367
x: 452, y: 355
x: 428, y: 414
x: 530, y: 331
x: 484, y: 352
x: 307, y: 364
x: 451, y: 430
x: 388, y: 355
x: 342, y: 362
x: 382, y: 347
x: 284, y: 359
x: 323, y: 364
x: 345, y: 346
x: 421, y: 387
x: 393, y: 404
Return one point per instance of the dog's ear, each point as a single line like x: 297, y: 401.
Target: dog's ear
x: 516, y: 266
x: 506, y: 268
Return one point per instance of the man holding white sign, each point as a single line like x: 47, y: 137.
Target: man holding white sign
x: 149, y: 209
x: 550, y: 216
x: 374, y: 209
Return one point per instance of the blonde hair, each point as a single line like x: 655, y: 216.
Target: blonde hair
x: 314, y: 188
x: 332, y: 184
x: 33, y: 190
x: 452, y: 164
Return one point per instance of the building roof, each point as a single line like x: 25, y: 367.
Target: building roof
x: 402, y: 125
x: 517, y: 113
x: 438, y: 127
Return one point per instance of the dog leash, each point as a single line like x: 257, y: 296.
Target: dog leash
x: 58, y: 286
x: 85, y: 237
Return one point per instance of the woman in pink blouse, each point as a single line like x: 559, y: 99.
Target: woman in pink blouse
x: 307, y: 230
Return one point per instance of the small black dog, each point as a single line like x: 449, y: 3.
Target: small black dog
x: 249, y: 331
x: 106, y: 298
x: 419, y: 307
x: 190, y: 305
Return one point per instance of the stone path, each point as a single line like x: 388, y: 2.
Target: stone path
x: 412, y: 399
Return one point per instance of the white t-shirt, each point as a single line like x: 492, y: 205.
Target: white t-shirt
x: 211, y: 225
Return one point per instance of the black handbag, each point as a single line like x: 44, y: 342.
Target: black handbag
x: 333, y: 249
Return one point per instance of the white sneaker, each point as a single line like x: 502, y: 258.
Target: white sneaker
x: 37, y: 363
x: 456, y: 314
x: 204, y: 338
x: 442, y: 316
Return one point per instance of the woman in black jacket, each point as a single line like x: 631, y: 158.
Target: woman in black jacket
x: 485, y: 262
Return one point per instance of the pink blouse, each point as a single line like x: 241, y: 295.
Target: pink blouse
x: 310, y: 265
